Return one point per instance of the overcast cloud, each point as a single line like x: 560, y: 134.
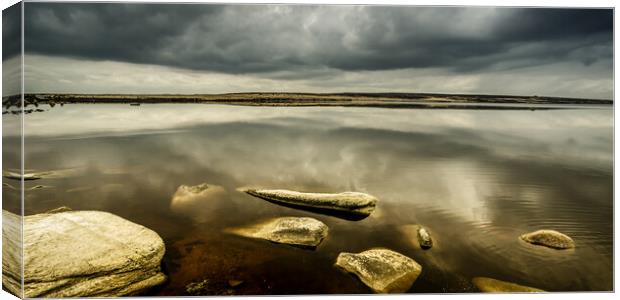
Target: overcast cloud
x: 232, y: 48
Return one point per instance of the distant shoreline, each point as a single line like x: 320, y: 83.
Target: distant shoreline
x: 385, y: 100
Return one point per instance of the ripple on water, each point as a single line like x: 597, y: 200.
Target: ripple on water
x: 501, y: 245
x: 493, y: 247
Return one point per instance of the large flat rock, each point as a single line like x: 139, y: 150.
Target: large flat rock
x: 490, y: 285
x: 383, y: 270
x: 302, y: 231
x: 353, y: 203
x: 81, y: 254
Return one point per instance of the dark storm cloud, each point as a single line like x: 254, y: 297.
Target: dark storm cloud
x: 11, y: 31
x: 123, y: 32
x: 555, y: 24
x: 262, y: 38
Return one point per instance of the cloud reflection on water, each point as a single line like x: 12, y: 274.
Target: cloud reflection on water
x: 480, y: 171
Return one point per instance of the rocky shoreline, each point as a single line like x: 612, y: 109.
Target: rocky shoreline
x: 116, y: 257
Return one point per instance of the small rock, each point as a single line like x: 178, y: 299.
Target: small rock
x: 383, y: 270
x: 194, y: 189
x: 549, y: 238
x: 234, y: 282
x: 197, y: 288
x: 424, y: 238
x: 304, y: 232
x: 490, y: 285
x: 417, y: 235
x: 189, y: 194
x: 346, y: 202
x: 228, y: 292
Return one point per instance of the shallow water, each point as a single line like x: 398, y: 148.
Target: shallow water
x: 477, y: 179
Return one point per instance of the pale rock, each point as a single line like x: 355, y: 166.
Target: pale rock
x: 347, y: 202
x: 383, y: 270
x: 302, y: 231
x: 549, y: 238
x: 80, y: 254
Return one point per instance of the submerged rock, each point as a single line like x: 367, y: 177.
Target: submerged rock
x: 424, y: 238
x: 234, y: 282
x: 354, y: 203
x: 39, y: 187
x: 208, y: 287
x: 549, y: 238
x: 80, y: 189
x: 198, y: 202
x: 383, y: 270
x: 80, y: 254
x: 197, y: 288
x: 490, y: 285
x: 195, y: 189
x: 304, y: 232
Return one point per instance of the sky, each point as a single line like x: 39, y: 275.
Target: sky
x: 208, y: 48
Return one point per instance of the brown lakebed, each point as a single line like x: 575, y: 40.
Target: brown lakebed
x: 477, y: 179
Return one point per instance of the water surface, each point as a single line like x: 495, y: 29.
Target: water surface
x: 477, y: 179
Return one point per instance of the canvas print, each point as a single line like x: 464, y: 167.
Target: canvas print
x: 196, y: 149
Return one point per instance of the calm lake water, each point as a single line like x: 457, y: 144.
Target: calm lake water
x: 477, y: 179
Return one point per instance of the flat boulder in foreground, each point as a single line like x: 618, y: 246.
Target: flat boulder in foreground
x: 490, y: 285
x: 303, y: 232
x: 347, y: 202
x: 80, y: 254
x: 549, y: 238
x: 383, y: 270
